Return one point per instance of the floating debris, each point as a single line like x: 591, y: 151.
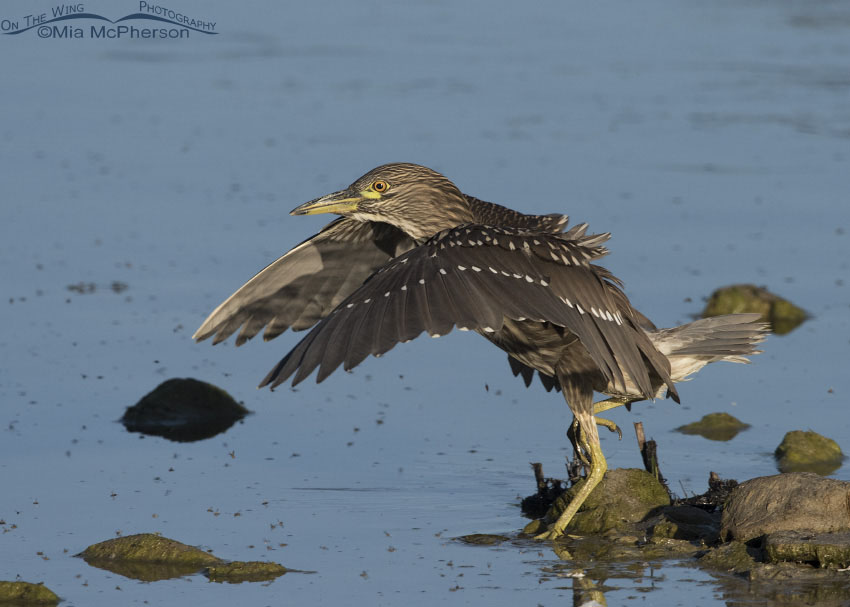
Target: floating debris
x: 87, y: 288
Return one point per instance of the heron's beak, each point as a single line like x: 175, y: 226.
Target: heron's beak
x: 341, y: 203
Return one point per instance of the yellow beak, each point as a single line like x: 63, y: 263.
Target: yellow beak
x: 340, y: 203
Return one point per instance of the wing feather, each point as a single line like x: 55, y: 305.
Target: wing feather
x: 304, y: 285
x: 473, y: 277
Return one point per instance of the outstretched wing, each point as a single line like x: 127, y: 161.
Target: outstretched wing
x: 472, y: 277
x: 305, y: 284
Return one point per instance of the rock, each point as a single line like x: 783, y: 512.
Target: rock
x: 535, y: 527
x: 148, y: 557
x: 821, y: 549
x: 782, y: 584
x: 715, y: 426
x: 483, y: 539
x: 624, y: 496
x: 26, y: 593
x: 685, y: 523
x: 808, y: 452
x: 786, y: 502
x: 184, y: 410
x: 237, y: 572
x: 782, y: 315
x: 732, y: 557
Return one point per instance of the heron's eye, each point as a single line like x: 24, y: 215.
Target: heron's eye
x: 380, y: 186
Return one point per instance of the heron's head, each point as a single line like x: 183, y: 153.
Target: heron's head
x: 415, y: 199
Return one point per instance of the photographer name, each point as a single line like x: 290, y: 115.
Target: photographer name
x: 106, y: 33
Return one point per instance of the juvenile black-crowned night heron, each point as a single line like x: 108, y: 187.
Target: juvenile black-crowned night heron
x: 412, y: 254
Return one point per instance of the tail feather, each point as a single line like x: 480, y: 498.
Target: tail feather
x: 730, y: 337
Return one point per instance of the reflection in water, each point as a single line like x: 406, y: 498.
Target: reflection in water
x: 593, y: 563
x: 785, y: 584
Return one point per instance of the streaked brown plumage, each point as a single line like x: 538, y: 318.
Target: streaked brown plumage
x: 412, y: 254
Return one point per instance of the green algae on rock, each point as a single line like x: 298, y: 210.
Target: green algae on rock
x: 823, y: 550
x: 782, y: 315
x: 26, y: 593
x: 715, y: 426
x: 184, y: 410
x: 808, y: 452
x: 797, y: 501
x: 732, y: 557
x: 148, y: 557
x: 624, y: 496
x: 237, y: 572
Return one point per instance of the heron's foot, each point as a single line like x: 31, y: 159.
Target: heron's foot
x: 611, y: 426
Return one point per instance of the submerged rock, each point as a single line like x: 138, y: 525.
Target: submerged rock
x: 147, y: 557
x: 822, y: 550
x: 685, y: 523
x: 624, y: 496
x: 26, y: 593
x: 808, y: 452
x: 781, y: 584
x: 798, y: 501
x: 237, y: 572
x: 733, y: 557
x: 184, y: 410
x: 483, y: 539
x: 782, y: 315
x: 715, y: 426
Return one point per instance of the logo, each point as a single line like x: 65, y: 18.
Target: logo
x: 71, y: 21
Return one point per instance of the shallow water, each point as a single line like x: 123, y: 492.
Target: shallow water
x: 711, y: 140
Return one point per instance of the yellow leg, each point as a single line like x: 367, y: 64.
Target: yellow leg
x: 598, y: 466
x: 605, y: 405
x: 611, y: 403
x: 610, y: 425
x: 573, y: 432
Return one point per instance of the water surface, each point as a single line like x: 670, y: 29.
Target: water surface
x: 710, y: 139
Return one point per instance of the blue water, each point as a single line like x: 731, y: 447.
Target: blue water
x: 711, y: 139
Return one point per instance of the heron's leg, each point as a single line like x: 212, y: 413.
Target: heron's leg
x: 598, y: 466
x: 573, y: 431
x: 611, y: 403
